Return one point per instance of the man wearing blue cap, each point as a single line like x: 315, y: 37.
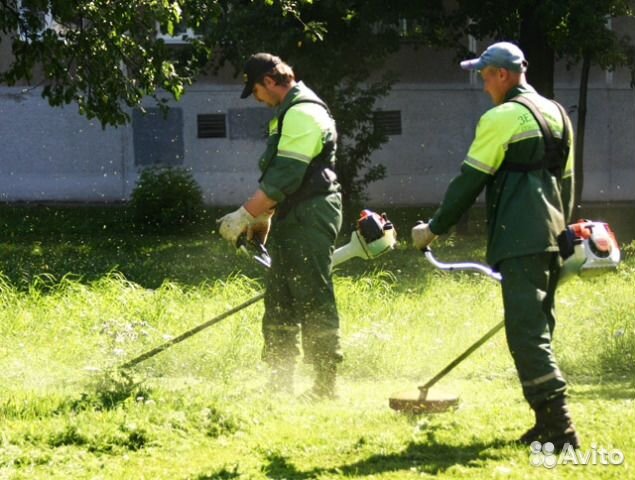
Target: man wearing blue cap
x: 522, y: 155
x: 298, y: 182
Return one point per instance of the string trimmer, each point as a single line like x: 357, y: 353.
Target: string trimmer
x: 374, y: 235
x: 588, y: 248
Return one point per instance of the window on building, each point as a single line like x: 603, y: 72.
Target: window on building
x: 387, y: 121
x: 248, y: 123
x: 211, y: 125
x: 158, y: 138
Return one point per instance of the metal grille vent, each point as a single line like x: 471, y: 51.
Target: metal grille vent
x: 387, y: 122
x: 211, y: 125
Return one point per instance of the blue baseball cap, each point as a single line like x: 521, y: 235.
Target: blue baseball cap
x: 501, y: 55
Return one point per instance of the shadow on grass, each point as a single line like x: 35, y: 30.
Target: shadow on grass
x: 430, y: 458
x: 223, y: 474
x: 611, y: 390
x: 147, y: 261
x: 91, y: 242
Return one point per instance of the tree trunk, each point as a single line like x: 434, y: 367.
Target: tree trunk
x: 541, y: 57
x: 579, y: 140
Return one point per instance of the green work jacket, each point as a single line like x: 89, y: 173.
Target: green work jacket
x: 306, y: 129
x: 525, y: 210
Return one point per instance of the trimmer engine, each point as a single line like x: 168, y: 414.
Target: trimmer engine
x: 374, y: 235
x: 588, y: 248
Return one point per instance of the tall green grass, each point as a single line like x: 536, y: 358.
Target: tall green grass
x: 56, y: 330
x: 200, y: 410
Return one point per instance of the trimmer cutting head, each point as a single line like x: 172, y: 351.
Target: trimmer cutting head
x: 420, y: 401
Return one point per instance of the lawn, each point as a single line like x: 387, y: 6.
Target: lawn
x: 82, y: 293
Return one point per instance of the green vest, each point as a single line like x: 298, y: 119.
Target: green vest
x: 300, y: 156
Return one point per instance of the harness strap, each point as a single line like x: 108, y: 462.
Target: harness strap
x: 556, y: 150
x: 293, y: 104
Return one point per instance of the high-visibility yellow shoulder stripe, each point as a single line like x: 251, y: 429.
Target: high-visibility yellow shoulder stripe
x: 480, y: 166
x: 493, y: 133
x: 294, y: 155
x: 525, y: 136
x: 506, y: 124
x: 303, y: 131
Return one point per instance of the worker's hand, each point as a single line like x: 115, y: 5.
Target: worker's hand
x: 259, y: 228
x: 422, y: 236
x: 234, y: 224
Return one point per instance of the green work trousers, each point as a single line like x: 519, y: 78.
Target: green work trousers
x: 299, y: 296
x: 529, y: 285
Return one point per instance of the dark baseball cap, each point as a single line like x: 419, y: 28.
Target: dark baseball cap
x: 255, y: 68
x: 502, y: 55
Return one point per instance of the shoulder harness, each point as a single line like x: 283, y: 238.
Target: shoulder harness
x: 293, y: 104
x: 556, y: 150
x: 319, y: 178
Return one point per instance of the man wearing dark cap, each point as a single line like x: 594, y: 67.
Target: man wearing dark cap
x: 522, y: 155
x: 298, y: 183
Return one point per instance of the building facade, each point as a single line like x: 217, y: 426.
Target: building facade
x: 54, y: 154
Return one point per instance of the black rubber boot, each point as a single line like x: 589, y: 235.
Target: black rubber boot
x: 324, y: 385
x: 553, y: 424
x: 533, y: 433
x: 325, y: 378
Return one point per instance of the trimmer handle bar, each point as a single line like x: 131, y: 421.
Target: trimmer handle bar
x: 451, y: 267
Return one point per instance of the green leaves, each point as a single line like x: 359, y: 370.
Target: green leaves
x: 166, y: 198
x: 102, y: 55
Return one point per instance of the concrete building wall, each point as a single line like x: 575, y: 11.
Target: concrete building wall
x: 438, y: 126
x: 226, y: 168
x: 54, y: 154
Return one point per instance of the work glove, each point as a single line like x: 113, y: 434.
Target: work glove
x: 259, y: 228
x: 422, y: 236
x: 234, y: 224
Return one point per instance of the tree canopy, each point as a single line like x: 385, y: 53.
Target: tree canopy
x: 546, y: 30
x: 103, y: 55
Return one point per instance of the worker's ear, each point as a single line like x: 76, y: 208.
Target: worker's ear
x: 268, y: 82
x: 508, y: 75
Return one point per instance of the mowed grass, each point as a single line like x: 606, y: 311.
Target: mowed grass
x: 76, y: 301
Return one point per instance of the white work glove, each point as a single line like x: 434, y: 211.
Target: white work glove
x: 422, y: 236
x: 259, y: 228
x: 234, y: 224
